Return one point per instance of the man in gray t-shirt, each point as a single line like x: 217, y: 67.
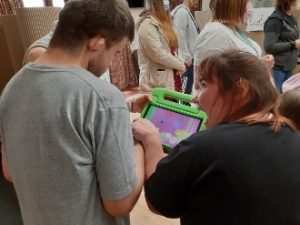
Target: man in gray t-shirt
x: 66, y: 135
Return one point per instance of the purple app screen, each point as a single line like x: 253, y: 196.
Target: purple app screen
x: 173, y: 126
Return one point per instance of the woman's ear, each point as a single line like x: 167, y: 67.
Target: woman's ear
x: 243, y: 87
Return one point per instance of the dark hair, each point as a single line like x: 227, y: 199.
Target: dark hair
x: 290, y: 106
x: 226, y: 11
x: 284, y: 5
x: 232, y: 67
x: 82, y: 20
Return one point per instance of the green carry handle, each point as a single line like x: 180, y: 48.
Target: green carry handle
x: 162, y: 98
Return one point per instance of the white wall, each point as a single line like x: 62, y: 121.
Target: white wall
x: 205, y: 5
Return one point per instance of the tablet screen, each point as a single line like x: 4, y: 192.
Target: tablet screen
x: 173, y: 126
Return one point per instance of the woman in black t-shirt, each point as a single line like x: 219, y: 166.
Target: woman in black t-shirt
x: 244, y: 168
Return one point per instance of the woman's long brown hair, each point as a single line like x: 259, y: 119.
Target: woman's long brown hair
x: 232, y: 67
x: 165, y: 21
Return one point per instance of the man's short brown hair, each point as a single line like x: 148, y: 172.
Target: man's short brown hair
x: 81, y: 20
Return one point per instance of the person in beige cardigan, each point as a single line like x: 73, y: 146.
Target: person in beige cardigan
x: 157, y: 42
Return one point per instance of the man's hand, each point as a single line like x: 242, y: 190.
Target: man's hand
x: 139, y: 101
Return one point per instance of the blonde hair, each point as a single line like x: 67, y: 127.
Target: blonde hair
x: 165, y: 21
x: 226, y: 11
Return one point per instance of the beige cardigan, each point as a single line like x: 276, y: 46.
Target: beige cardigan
x: 156, y: 61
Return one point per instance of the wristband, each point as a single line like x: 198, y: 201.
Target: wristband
x: 130, y: 106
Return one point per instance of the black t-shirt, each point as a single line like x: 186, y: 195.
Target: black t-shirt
x: 232, y: 174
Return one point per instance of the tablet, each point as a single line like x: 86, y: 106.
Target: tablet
x: 173, y: 126
x: 175, y: 121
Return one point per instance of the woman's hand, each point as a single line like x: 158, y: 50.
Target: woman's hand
x: 268, y: 60
x: 145, y: 131
x: 189, y: 62
x: 297, y: 43
x: 181, y: 71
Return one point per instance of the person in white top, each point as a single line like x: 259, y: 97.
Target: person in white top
x: 293, y: 83
x: 187, y: 31
x: 223, y: 33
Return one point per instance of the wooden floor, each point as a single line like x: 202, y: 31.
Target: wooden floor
x: 141, y: 215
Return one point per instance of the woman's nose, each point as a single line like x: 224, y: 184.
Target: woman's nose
x: 195, y: 99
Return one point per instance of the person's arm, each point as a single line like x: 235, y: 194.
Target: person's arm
x: 119, y: 208
x: 150, y: 43
x: 148, y: 134
x: 5, y: 169
x: 137, y: 102
x: 272, y: 44
x: 170, y: 178
x: 119, y: 166
x: 180, y: 20
x: 33, y: 54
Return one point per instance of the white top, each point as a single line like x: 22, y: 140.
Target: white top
x: 293, y: 83
x: 187, y: 31
x: 217, y: 37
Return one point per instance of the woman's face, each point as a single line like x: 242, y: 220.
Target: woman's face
x: 293, y: 6
x: 212, y: 102
x: 194, y: 5
x: 248, y: 12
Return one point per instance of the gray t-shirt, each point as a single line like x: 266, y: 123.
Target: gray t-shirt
x: 68, y: 142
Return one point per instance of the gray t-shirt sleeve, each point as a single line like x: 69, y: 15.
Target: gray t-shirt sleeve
x: 115, y: 158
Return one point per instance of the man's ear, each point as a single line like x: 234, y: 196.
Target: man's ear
x: 96, y: 44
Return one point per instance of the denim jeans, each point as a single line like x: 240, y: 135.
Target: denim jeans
x: 188, y: 80
x: 279, y: 77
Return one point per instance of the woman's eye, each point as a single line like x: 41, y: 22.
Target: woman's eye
x: 202, y: 84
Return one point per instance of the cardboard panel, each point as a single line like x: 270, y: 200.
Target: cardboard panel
x: 35, y: 22
x: 6, y: 67
x: 13, y: 40
x: 17, y: 32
